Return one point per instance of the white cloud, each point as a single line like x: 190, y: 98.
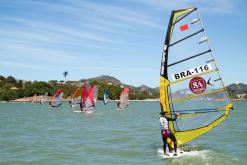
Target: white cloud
x: 49, y: 31
x: 209, y: 6
x: 120, y: 14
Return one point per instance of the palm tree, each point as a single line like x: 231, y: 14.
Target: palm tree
x: 65, y: 74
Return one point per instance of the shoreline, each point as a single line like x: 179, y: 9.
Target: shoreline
x: 67, y: 100
x: 28, y: 100
x: 37, y: 99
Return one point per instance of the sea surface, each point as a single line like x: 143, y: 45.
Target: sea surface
x: 36, y: 134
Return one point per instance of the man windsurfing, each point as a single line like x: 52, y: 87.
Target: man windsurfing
x: 166, y: 132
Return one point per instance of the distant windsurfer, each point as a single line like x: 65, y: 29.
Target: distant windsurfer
x: 81, y: 106
x: 118, y: 105
x: 166, y: 132
x: 70, y: 104
x: 87, y: 106
x: 52, y: 105
x: 49, y: 103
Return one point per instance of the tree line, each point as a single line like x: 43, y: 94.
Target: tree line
x: 11, y: 89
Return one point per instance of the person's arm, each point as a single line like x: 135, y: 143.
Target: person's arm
x: 171, y: 119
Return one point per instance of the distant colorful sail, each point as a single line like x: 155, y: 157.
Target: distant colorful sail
x: 106, y: 97
x: 77, y: 97
x: 88, y: 104
x: 57, y: 98
x: 124, y: 98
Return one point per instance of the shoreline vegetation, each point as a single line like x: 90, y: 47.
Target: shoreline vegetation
x: 30, y: 100
x: 13, y: 90
x: 38, y: 99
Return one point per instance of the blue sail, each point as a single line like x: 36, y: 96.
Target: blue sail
x: 57, y: 99
x: 106, y: 97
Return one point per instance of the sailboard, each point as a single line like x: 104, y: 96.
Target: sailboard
x: 76, y: 98
x: 170, y: 155
x: 124, y: 99
x: 88, y: 104
x: 57, y: 99
x: 106, y: 96
x: 190, y: 80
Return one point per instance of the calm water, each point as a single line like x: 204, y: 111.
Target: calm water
x: 36, y: 134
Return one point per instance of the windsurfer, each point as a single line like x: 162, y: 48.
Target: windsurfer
x: 81, y: 106
x: 87, y: 106
x: 70, y: 103
x: 166, y: 132
x: 51, y: 105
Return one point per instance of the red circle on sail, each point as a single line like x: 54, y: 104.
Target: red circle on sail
x: 197, y: 85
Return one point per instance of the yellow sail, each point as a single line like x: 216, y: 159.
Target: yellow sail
x: 77, y: 96
x: 190, y: 81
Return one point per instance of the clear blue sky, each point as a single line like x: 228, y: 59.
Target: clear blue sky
x: 39, y: 40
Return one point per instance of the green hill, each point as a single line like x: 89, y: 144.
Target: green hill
x: 237, y: 90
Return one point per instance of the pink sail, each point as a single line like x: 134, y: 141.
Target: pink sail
x: 58, y: 92
x: 85, y: 94
x: 91, y: 94
x: 125, y: 91
x: 124, y: 98
x: 88, y: 103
